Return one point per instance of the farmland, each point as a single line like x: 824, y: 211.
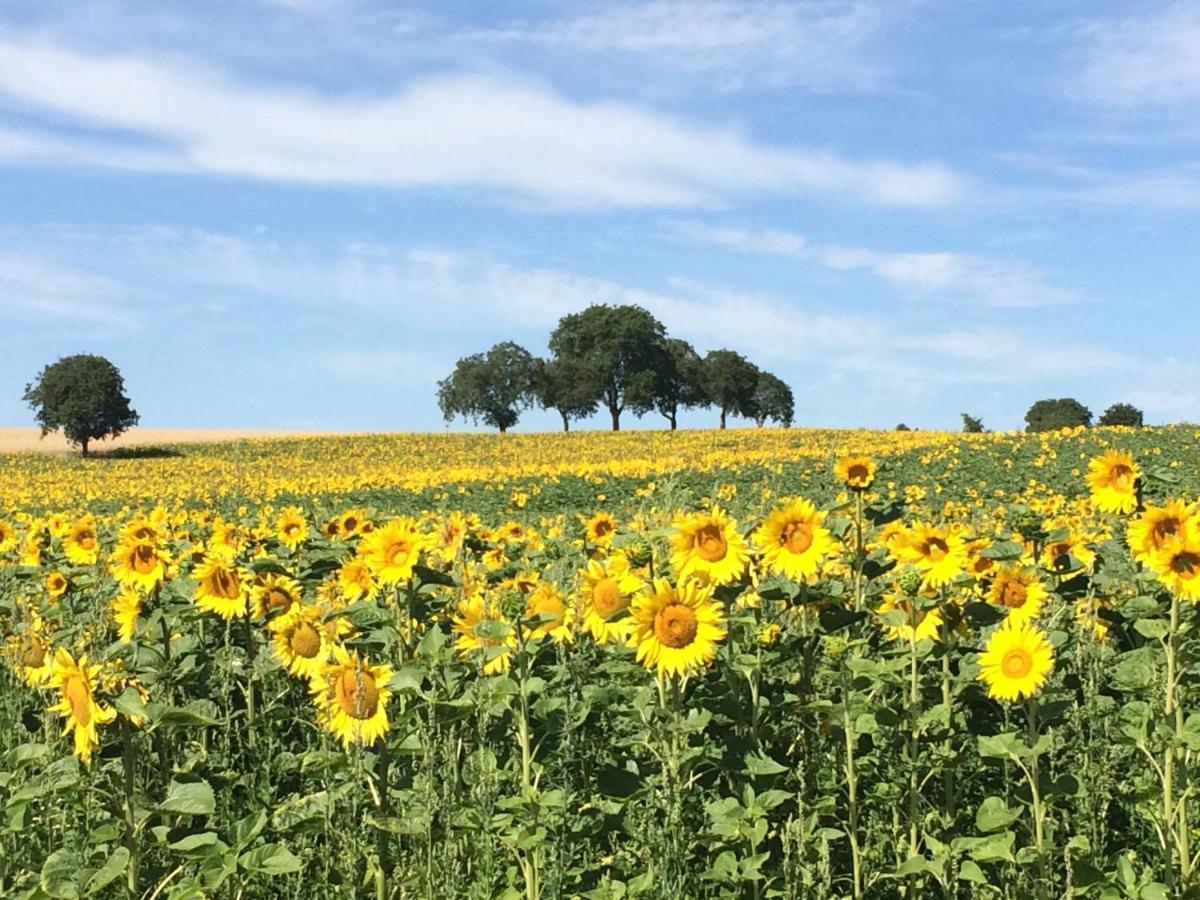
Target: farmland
x: 745, y: 663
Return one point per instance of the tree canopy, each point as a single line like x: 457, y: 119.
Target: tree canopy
x: 730, y: 381
x: 1121, y: 414
x: 1050, y: 415
x: 492, y: 387
x: 680, y: 385
x: 565, y: 386
x: 772, y: 400
x: 971, y: 425
x: 84, y: 396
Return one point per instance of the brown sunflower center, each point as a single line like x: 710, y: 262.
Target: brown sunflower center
x: 1017, y: 663
x: 144, y: 559
x: 606, y: 598
x: 1060, y: 555
x: 79, y: 695
x: 710, y: 543
x: 86, y: 539
x: 1165, y: 528
x: 1013, y: 594
x: 602, y: 528
x: 225, y: 584
x: 350, y: 523
x: 357, y: 694
x: 797, y: 537
x: 56, y: 583
x: 858, y: 473
x: 305, y: 641
x: 397, y: 554
x: 291, y: 529
x: 1186, y: 564
x: 278, y: 598
x: 935, y: 549
x: 676, y: 626
x: 1121, y: 477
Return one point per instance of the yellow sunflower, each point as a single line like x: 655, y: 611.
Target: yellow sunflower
x: 391, y: 551
x: 56, y: 584
x: 58, y: 524
x: 793, y: 540
x: 676, y: 629
x: 125, y: 609
x: 220, y: 585
x: 928, y: 621
x: 35, y: 655
x: 355, y: 580
x: 81, y: 544
x: 481, y: 626
x: 1057, y: 554
x: 605, y: 593
x: 353, y: 521
x: 302, y: 642
x: 291, y: 528
x: 1087, y: 616
x: 1016, y: 662
x: 76, y: 682
x: 1019, y: 590
x: 1112, y: 478
x: 8, y: 537
x: 710, y: 545
x: 549, y: 615
x: 1151, y: 531
x: 600, y: 529
x: 449, y: 534
x: 939, y: 553
x: 273, y: 594
x: 149, y: 529
x: 856, y: 472
x: 1177, y: 564
x: 139, y: 565
x: 351, y: 696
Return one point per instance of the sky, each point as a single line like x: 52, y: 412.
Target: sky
x: 299, y: 213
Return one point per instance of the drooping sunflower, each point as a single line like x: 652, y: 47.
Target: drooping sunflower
x: 1177, y: 564
x: 793, y: 540
x: 1112, y: 478
x: 139, y: 565
x: 302, y: 642
x: 1087, y: 616
x: 481, y: 628
x: 676, y: 628
x: 1016, y: 662
x: 56, y: 584
x: 708, y: 544
x: 856, y: 472
x: 273, y: 594
x: 355, y: 580
x: 35, y: 655
x: 291, y: 528
x: 81, y: 544
x: 351, y: 696
x: 928, y: 621
x: 606, y: 591
x: 76, y: 684
x: 1151, y: 531
x: 600, y: 529
x: 1019, y: 590
x: 220, y: 585
x: 392, y: 550
x: 549, y: 614
x: 125, y: 609
x: 939, y: 553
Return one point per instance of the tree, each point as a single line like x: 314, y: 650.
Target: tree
x: 903, y: 427
x: 494, y: 386
x: 84, y: 395
x: 971, y: 425
x: 730, y: 380
x: 622, y: 349
x: 772, y: 400
x: 1122, y: 414
x: 564, y: 385
x: 680, y: 384
x: 1050, y: 415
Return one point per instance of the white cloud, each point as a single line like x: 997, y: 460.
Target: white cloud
x: 999, y: 283
x: 1141, y: 59
x: 462, y: 131
x: 34, y: 290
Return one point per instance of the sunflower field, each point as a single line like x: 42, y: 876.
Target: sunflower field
x: 750, y: 664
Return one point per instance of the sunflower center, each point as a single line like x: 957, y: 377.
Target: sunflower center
x: 305, y: 641
x: 86, y: 540
x: 145, y: 560
x: 144, y: 533
x: 1186, y: 565
x: 936, y: 549
x: 1017, y: 663
x: 357, y: 694
x: 291, y: 529
x: 675, y: 626
x: 857, y: 473
x: 278, y: 598
x: 1013, y: 594
x: 79, y: 695
x: 350, y: 523
x: 56, y: 582
x: 1121, y: 477
x: 607, y: 599
x: 397, y: 554
x: 710, y: 543
x: 797, y: 537
x: 225, y: 584
x: 35, y: 654
x: 602, y: 528
x: 1165, y: 528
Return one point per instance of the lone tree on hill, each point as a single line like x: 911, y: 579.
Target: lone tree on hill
x: 772, y: 400
x: 971, y: 425
x: 730, y: 381
x: 564, y: 386
x: 621, y: 349
x: 84, y: 395
x: 494, y: 386
x: 681, y: 384
x: 1121, y: 414
x: 1051, y: 415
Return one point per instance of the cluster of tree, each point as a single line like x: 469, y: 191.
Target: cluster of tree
x: 84, y: 396
x: 1067, y: 412
x: 619, y: 358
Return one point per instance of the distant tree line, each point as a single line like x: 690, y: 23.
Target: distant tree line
x: 1065, y: 412
x: 618, y: 358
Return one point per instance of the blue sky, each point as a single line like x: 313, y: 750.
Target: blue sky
x: 299, y: 213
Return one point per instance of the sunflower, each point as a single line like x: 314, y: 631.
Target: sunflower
x: 1016, y: 661
x: 940, y: 553
x: 1057, y: 554
x: 1177, y: 564
x: 56, y: 584
x: 1087, y: 616
x: 149, y: 529
x: 391, y: 552
x: 302, y: 642
x: 793, y: 541
x: 708, y: 544
x: 351, y: 696
x: 481, y: 626
x: 928, y: 621
x: 355, y: 580
x: 76, y: 682
x: 220, y: 587
x: 1112, y: 478
x: 977, y: 564
x: 449, y: 535
x: 8, y: 537
x: 549, y: 615
x: 1018, y: 589
x: 856, y: 472
x: 58, y: 524
x: 291, y: 528
x: 600, y: 529
x: 273, y: 594
x: 1151, y: 531
x: 35, y: 656
x: 125, y: 609
x: 31, y: 551
x: 81, y: 544
x: 139, y: 565
x: 353, y: 521
x: 604, y: 597
x: 676, y: 629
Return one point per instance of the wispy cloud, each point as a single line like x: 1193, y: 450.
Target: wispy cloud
x: 460, y: 131
x: 999, y: 283
x: 35, y: 290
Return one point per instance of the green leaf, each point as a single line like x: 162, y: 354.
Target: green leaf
x: 994, y: 815
x: 1002, y: 746
x: 994, y: 848
x: 970, y: 871
x: 761, y: 764
x: 270, y: 859
x: 1155, y: 629
x: 1154, y: 891
x: 108, y: 872
x: 194, y: 798
x: 59, y: 873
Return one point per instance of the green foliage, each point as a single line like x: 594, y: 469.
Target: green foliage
x: 680, y: 383
x: 772, y: 401
x: 902, y: 427
x: 971, y: 425
x: 493, y: 387
x: 84, y: 396
x: 1051, y: 415
x: 730, y: 381
x: 619, y: 351
x: 565, y: 385
x: 1122, y: 414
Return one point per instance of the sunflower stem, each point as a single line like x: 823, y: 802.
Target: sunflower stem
x: 129, y: 763
x: 858, y: 550
x: 383, y: 847
x: 1035, y: 791
x: 851, y: 785
x: 914, y: 715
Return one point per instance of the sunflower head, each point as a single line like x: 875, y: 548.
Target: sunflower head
x: 1018, y: 590
x: 793, y: 542
x: 549, y: 615
x: 291, y: 528
x: 1016, y: 662
x: 1113, y: 478
x: 351, y: 697
x: 601, y: 529
x: 856, y: 472
x: 393, y: 550
x: 708, y: 544
x: 676, y: 628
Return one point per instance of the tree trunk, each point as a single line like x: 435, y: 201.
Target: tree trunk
x: 674, y: 424
x: 503, y: 429
x: 759, y: 422
x: 83, y: 451
x: 616, y: 418
x: 566, y: 421
x: 722, y: 417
